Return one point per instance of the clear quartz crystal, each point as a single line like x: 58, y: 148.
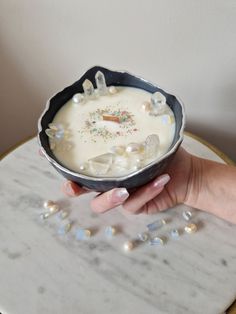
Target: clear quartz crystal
x: 100, y: 165
x: 156, y: 224
x: 88, y: 89
x: 158, y: 103
x: 151, y: 145
x: 101, y: 83
x: 156, y: 241
x: 78, y: 99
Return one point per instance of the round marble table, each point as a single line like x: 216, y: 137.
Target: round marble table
x: 44, y: 272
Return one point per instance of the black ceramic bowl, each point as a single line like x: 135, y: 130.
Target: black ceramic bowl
x: 132, y: 180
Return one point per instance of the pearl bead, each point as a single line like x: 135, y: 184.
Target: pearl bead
x: 54, y: 208
x: 112, y: 90
x: 146, y: 106
x: 78, y: 98
x: 48, y: 203
x: 133, y: 148
x: 82, y: 167
x: 128, y: 246
x: 190, y: 228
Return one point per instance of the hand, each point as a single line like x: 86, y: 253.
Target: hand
x: 164, y: 192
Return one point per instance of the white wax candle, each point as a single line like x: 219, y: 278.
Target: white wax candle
x: 93, y: 127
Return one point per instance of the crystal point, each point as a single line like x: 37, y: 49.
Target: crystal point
x: 158, y: 102
x: 88, y: 88
x: 152, y: 145
x: 101, y: 83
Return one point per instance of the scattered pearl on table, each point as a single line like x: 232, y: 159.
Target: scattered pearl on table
x: 128, y: 246
x: 48, y: 203
x: 190, y: 228
x: 78, y: 98
x: 62, y: 214
x: 187, y: 215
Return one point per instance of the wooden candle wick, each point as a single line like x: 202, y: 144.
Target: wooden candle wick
x: 108, y: 117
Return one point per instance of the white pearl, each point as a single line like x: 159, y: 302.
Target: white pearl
x: 48, y: 203
x: 54, y: 208
x: 190, y: 228
x: 128, y: 246
x: 78, y: 98
x: 112, y: 90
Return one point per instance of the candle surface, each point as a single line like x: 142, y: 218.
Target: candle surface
x: 107, y: 135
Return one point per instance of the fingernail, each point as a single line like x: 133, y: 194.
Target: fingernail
x: 161, y: 181
x: 119, y: 195
x: 68, y: 188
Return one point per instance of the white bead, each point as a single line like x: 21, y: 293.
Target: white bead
x: 78, y: 98
x: 112, y: 90
x: 128, y: 246
x: 133, y: 148
x: 190, y: 228
x: 48, y: 203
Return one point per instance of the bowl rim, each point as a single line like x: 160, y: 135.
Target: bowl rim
x: 121, y: 178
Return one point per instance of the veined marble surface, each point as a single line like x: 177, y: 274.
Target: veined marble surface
x: 43, y: 272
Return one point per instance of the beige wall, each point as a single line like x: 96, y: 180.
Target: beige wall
x: 186, y: 46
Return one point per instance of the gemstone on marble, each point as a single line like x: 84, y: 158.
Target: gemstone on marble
x: 110, y: 231
x: 65, y: 228
x: 190, y: 228
x: 45, y: 215
x: 100, y: 165
x: 78, y: 99
x: 101, y: 83
x: 53, y: 209
x: 156, y: 241
x: 128, y: 246
x: 156, y: 224
x: 63, y: 214
x: 174, y: 233
x: 143, y: 236
x: 88, y: 89
x: 83, y: 234
x: 187, y: 215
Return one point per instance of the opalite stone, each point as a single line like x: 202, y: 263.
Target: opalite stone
x: 143, y: 236
x: 78, y: 98
x: 158, y: 102
x: 128, y: 246
x: 151, y: 145
x: 156, y: 225
x: 65, y: 228
x: 167, y: 119
x: 110, y: 231
x: 174, y: 233
x: 88, y: 89
x: 190, y: 228
x: 187, y: 215
x: 83, y: 234
x: 112, y: 90
x: 101, y: 83
x: 156, y: 241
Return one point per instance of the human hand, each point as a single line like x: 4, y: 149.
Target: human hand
x: 164, y: 192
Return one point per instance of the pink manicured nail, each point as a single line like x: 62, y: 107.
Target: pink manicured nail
x: 161, y: 181
x: 119, y: 195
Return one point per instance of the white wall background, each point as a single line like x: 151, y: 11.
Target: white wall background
x: 186, y: 46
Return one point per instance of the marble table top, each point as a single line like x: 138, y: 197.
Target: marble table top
x: 44, y: 272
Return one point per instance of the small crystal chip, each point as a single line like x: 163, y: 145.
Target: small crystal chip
x: 187, y: 215
x: 101, y: 164
x: 110, y: 231
x: 158, y: 102
x: 101, y: 83
x: 62, y: 214
x: 88, y: 88
x: 156, y: 225
x: 143, y: 236
x: 156, y: 241
x: 151, y: 145
x: 65, y: 228
x: 83, y: 234
x: 78, y: 98
x: 174, y: 233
